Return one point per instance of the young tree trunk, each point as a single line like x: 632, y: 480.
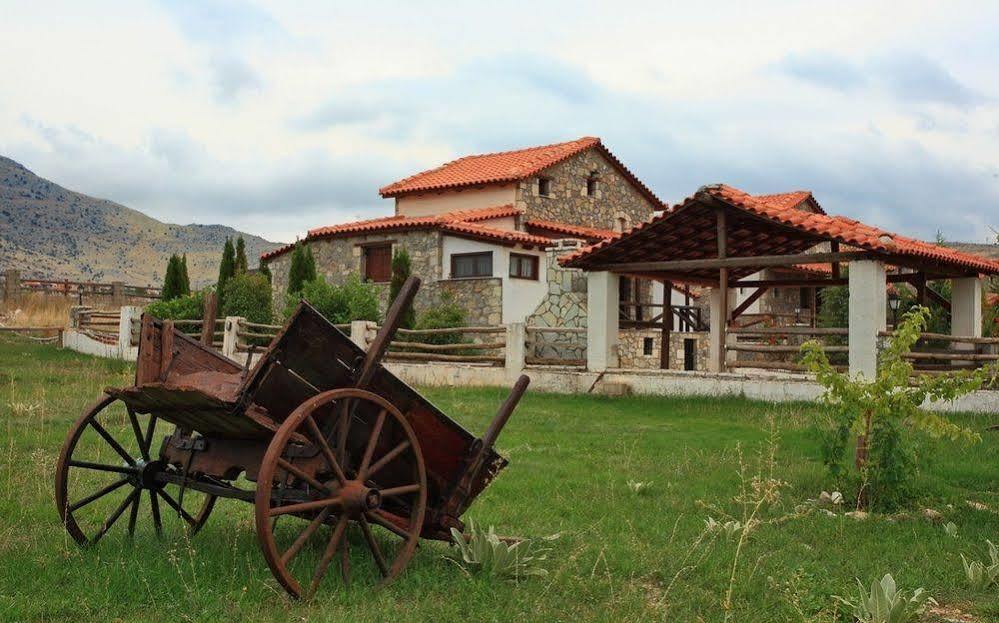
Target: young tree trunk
x: 860, y: 457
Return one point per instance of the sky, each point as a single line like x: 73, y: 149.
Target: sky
x: 275, y: 117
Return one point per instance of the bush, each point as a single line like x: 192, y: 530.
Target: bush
x: 353, y: 300
x: 190, y: 307
x: 446, y: 315
x: 401, y: 269
x: 248, y: 295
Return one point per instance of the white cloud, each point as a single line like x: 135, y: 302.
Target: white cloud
x: 276, y: 118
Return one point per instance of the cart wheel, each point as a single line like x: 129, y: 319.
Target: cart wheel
x: 105, y: 459
x: 345, y: 456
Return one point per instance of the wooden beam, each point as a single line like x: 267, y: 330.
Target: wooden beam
x: 761, y: 261
x: 667, y: 317
x: 722, y: 286
x: 811, y: 283
x: 937, y: 298
x: 834, y: 247
x: 752, y: 298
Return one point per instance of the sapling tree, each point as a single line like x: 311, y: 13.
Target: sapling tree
x: 877, y: 409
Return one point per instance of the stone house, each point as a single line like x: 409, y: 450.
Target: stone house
x: 477, y: 228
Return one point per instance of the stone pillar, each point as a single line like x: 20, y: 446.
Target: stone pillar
x: 966, y: 310
x: 602, y: 321
x: 229, y: 336
x: 129, y: 315
x: 718, y: 335
x: 516, y: 337
x: 117, y: 293
x: 868, y: 315
x: 359, y: 333
x: 12, y: 285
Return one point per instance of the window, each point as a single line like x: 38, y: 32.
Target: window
x: 524, y: 266
x: 465, y: 265
x: 591, y: 185
x: 545, y: 186
x: 647, y: 345
x: 378, y: 263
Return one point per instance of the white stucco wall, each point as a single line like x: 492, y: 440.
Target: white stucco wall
x: 741, y: 294
x: 451, y: 201
x: 520, y: 296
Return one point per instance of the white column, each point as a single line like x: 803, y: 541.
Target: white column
x: 868, y: 314
x: 359, y: 333
x: 229, y: 336
x: 515, y: 350
x: 127, y: 317
x: 966, y: 310
x: 602, y: 320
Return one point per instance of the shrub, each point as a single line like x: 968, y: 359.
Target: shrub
x: 189, y: 307
x: 878, y: 408
x: 353, y: 300
x: 176, y: 282
x: 446, y: 315
x: 980, y: 575
x: 248, y: 295
x: 484, y: 552
x: 302, y: 269
x: 886, y: 603
x: 401, y: 270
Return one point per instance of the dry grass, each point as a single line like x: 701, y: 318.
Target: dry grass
x: 37, y: 310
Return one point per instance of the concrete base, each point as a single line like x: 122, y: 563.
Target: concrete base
x: 766, y: 387
x: 74, y: 340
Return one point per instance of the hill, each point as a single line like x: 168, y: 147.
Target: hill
x: 47, y: 231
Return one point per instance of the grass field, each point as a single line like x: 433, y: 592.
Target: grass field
x: 620, y: 556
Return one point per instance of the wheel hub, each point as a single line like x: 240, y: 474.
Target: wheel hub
x: 148, y: 471
x: 358, y: 498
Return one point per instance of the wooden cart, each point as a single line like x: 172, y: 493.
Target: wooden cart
x: 316, y: 433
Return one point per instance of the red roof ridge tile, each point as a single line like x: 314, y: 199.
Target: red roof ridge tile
x: 589, y: 232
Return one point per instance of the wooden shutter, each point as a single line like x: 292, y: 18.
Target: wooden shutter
x: 378, y: 263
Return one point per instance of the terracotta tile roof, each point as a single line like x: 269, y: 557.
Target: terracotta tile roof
x: 505, y: 167
x: 465, y: 222
x: 790, y: 200
x: 577, y: 231
x: 822, y: 226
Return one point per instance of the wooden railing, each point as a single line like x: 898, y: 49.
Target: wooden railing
x: 929, y: 359
x: 478, y: 345
x: 99, y: 324
x: 13, y: 285
x: 778, y: 348
x: 536, y: 341
x: 650, y: 316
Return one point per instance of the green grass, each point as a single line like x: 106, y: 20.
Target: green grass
x: 620, y: 557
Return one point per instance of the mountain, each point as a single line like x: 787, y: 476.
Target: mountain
x: 47, y: 231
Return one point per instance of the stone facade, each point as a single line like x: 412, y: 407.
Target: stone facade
x: 632, y: 347
x: 482, y: 299
x: 615, y: 196
x: 563, y: 306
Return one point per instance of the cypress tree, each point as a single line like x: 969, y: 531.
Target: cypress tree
x: 227, y: 269
x: 401, y: 269
x: 309, y: 272
x: 171, y: 281
x: 185, y: 279
x: 296, y: 272
x: 241, y: 265
x: 265, y: 271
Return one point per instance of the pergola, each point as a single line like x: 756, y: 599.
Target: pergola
x: 721, y: 236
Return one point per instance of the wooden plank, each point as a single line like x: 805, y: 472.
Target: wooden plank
x: 790, y: 330
x: 955, y: 355
x: 752, y: 298
x: 453, y: 358
x: 667, y: 321
x: 780, y: 348
x: 554, y: 361
x: 760, y: 261
x: 446, y: 347
x: 208, y: 318
x: 964, y: 339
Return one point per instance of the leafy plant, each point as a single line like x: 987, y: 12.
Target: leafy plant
x: 189, y: 307
x: 227, y: 269
x: 982, y: 575
x: 401, y: 270
x: 877, y: 409
x: 482, y: 551
x: 950, y: 529
x: 302, y: 269
x: 447, y: 314
x: 351, y: 300
x: 885, y: 603
x: 176, y: 282
x: 248, y: 295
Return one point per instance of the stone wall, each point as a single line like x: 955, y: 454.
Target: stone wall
x: 563, y: 306
x: 482, y: 298
x: 569, y: 203
x: 631, y: 349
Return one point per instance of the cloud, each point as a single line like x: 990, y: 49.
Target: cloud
x: 221, y: 22
x: 231, y: 77
x: 905, y: 76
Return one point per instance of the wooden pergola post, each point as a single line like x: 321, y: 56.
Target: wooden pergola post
x: 667, y: 324
x: 719, y: 320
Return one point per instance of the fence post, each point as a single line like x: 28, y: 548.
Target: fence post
x: 12, y: 285
x: 229, y: 337
x: 117, y: 293
x: 208, y: 319
x: 125, y: 319
x: 359, y: 333
x: 515, y: 350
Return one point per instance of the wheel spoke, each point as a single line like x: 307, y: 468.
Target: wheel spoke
x: 109, y: 522
x: 134, y: 513
x: 177, y: 507
x: 345, y: 559
x: 362, y: 471
x: 378, y: 517
x: 306, y: 534
x: 111, y: 441
x: 341, y: 526
x: 288, y: 466
x: 376, y: 551
x: 138, y: 433
x: 385, y: 460
x: 102, y: 468
x: 150, y: 429
x: 324, y: 446
x: 387, y: 493
x: 343, y: 432
x: 305, y: 506
x: 90, y: 498
x: 154, y: 506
